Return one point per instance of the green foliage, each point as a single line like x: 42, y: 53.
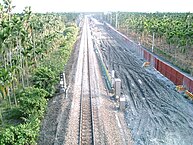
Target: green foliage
x: 12, y: 116
x: 5, y: 80
x: 61, y: 55
x: 175, y: 27
x: 69, y: 32
x: 162, y: 53
x: 44, y: 78
x: 32, y: 102
x: 173, y: 33
x: 32, y: 46
x: 23, y: 134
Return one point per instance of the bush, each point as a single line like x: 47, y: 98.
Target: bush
x: 12, y: 116
x: 32, y: 102
x: 23, y: 134
x: 45, y: 78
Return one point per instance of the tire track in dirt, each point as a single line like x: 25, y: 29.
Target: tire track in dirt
x: 155, y: 114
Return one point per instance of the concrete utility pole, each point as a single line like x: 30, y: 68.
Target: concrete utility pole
x: 111, y: 18
x: 116, y: 23
x: 153, y: 42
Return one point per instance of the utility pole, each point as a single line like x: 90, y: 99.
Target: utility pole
x: 111, y: 18
x: 116, y: 22
x: 153, y: 42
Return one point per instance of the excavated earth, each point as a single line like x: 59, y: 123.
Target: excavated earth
x: 156, y: 114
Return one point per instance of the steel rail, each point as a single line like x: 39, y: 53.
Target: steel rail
x: 86, y: 125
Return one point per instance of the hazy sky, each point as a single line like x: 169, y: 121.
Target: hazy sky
x: 105, y: 5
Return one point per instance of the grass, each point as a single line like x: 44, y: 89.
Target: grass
x: 170, y: 58
x: 162, y: 53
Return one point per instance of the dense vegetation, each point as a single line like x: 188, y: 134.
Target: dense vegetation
x: 33, y: 51
x: 173, y: 34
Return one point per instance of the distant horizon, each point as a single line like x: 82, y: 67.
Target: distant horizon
x: 103, y: 12
x: 81, y: 6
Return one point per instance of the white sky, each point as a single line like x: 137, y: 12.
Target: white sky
x: 105, y: 5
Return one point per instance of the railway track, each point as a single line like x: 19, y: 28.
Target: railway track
x: 86, y: 123
x: 92, y: 119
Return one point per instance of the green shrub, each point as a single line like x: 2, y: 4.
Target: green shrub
x: 23, y: 134
x: 45, y: 78
x: 32, y: 102
x: 12, y: 116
